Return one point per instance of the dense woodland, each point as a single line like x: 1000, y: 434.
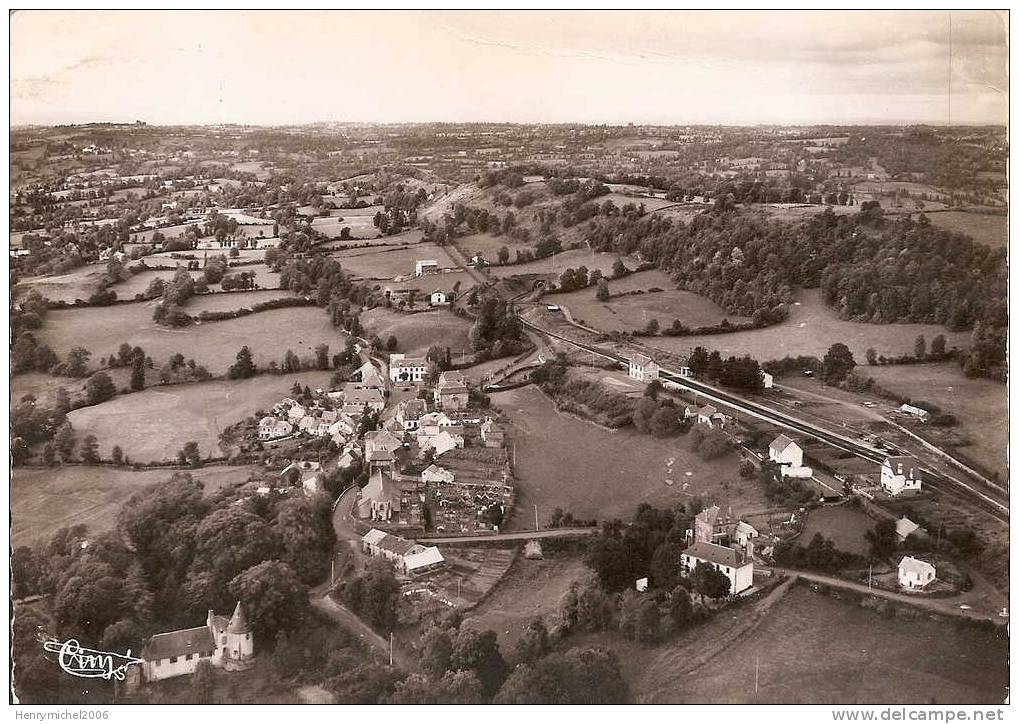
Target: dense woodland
x: 869, y: 269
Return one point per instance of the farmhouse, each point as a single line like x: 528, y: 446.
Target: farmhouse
x: 409, y: 557
x: 225, y: 643
x: 734, y: 564
x: 707, y: 415
x: 643, y: 368
x: 407, y: 369
x: 900, y: 474
x: 789, y: 456
x: 914, y: 573
x: 451, y: 391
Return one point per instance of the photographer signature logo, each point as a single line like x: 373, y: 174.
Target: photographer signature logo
x: 88, y: 663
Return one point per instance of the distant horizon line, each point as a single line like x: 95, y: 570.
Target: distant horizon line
x: 585, y: 124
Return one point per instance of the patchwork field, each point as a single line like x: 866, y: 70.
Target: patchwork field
x: 44, y: 501
x: 76, y: 284
x: 361, y: 227
x: 981, y: 406
x: 403, y: 238
x: 810, y: 329
x: 989, y: 229
x: 417, y: 332
x: 138, y: 283
x: 229, y: 301
x: 169, y: 232
x: 268, y: 334
x: 621, y: 200
x: 816, y: 650
x: 554, y: 266
x: 386, y: 262
x: 597, y: 473
x: 633, y: 312
x: 152, y: 425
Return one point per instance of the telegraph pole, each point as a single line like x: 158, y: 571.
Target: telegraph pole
x: 390, y: 648
x: 536, y: 516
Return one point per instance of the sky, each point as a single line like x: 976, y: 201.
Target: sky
x: 657, y: 67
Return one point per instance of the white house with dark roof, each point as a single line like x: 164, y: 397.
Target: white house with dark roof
x: 225, y: 643
x: 789, y: 456
x: 734, y: 564
x: 899, y: 474
x: 407, y: 369
x: 642, y: 368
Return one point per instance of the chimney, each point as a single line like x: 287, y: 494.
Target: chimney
x: 208, y: 618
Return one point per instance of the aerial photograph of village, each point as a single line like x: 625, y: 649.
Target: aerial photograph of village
x: 515, y: 357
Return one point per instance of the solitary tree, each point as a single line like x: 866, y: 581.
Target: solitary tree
x: 89, y: 450
x: 99, y: 388
x: 244, y: 367
x: 920, y: 347
x: 837, y: 364
x: 138, y: 371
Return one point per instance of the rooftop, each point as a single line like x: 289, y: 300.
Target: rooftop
x: 179, y: 643
x: 713, y: 553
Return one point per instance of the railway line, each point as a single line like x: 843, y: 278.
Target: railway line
x: 987, y: 499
